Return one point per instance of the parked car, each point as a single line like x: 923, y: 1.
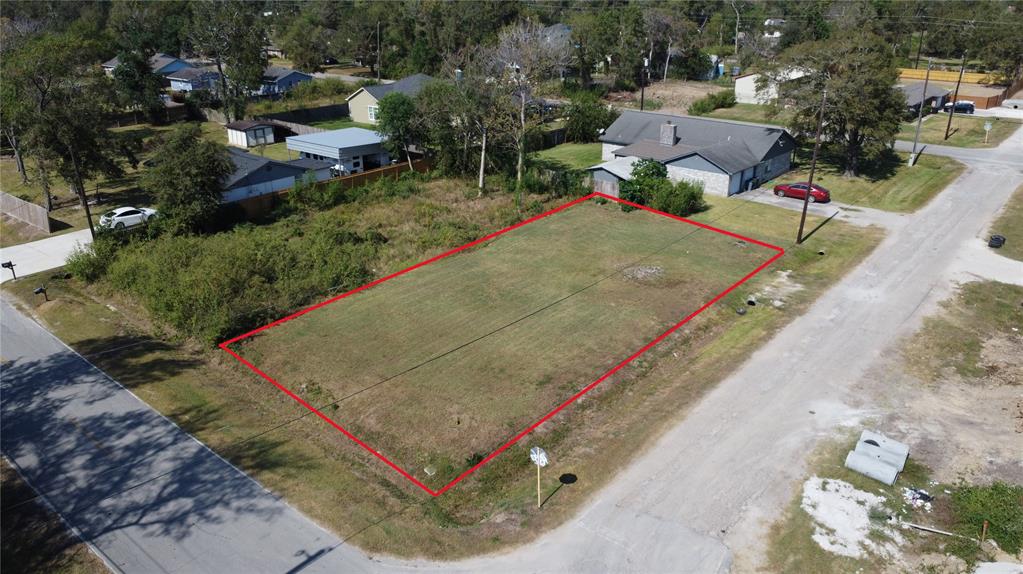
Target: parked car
x: 960, y: 107
x: 123, y: 217
x: 798, y: 191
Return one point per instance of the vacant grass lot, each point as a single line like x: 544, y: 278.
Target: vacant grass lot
x: 753, y: 113
x: 887, y: 184
x: 347, y: 490
x: 575, y: 155
x: 444, y: 364
x: 967, y: 131
x: 1010, y: 224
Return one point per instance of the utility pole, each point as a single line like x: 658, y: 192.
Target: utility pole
x: 920, y: 114
x: 813, y: 167
x: 378, y: 50
x: 955, y: 97
x: 916, y: 65
x: 642, y: 82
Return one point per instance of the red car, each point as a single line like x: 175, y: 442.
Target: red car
x: 798, y: 190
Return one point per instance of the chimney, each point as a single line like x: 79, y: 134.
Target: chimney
x: 668, y: 134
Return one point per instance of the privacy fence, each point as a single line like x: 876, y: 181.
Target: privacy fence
x: 261, y: 205
x: 28, y: 212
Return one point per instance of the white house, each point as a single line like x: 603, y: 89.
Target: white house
x: 746, y: 88
x: 354, y: 149
x: 249, y: 133
x: 726, y: 157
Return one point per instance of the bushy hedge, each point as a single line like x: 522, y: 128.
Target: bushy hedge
x: 708, y: 104
x: 215, y: 286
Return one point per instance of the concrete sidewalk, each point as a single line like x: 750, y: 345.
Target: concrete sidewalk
x: 42, y: 255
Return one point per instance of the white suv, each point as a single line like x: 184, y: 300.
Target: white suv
x: 126, y: 217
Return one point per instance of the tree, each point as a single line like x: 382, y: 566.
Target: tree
x: 306, y: 41
x: 587, y: 115
x: 187, y: 179
x: 864, y: 108
x: 232, y: 33
x: 137, y: 86
x: 526, y: 55
x: 398, y: 121
x: 62, y: 107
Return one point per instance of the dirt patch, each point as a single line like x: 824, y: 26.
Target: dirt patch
x: 644, y: 273
x: 674, y: 96
x: 842, y: 519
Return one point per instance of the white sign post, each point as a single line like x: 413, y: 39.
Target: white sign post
x: 987, y: 129
x: 539, y: 458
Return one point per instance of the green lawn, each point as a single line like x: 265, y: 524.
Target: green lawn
x: 337, y: 483
x: 967, y: 131
x: 887, y: 184
x: 754, y: 113
x: 1010, y: 224
x: 574, y: 155
x: 341, y: 124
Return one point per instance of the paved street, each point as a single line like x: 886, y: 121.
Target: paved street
x: 699, y: 500
x: 42, y: 255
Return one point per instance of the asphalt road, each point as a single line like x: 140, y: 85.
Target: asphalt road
x: 699, y: 500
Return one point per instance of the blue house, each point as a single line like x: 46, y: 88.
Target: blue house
x: 188, y: 79
x: 277, y: 80
x: 161, y: 64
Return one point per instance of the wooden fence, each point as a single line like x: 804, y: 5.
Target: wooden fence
x: 946, y: 76
x: 260, y: 205
x: 30, y: 213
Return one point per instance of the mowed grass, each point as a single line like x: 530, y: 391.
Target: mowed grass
x: 1010, y: 224
x: 753, y: 113
x: 444, y: 364
x: 574, y: 155
x: 887, y: 183
x: 967, y: 130
x: 341, y: 123
x: 341, y: 486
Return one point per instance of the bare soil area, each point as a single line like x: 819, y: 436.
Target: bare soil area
x: 674, y: 96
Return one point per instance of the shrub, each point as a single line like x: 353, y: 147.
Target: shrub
x: 708, y: 104
x: 309, y: 194
x: 212, y: 287
x: 91, y: 262
x: 683, y: 199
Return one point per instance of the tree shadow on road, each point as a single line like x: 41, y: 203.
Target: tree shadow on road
x: 108, y: 462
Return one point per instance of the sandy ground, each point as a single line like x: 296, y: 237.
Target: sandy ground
x: 961, y: 429
x: 676, y: 95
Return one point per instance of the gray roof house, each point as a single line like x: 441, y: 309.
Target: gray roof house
x: 188, y: 79
x: 255, y: 175
x: 277, y: 80
x: 354, y: 149
x: 727, y: 157
x: 934, y: 99
x: 161, y: 64
x: 363, y: 104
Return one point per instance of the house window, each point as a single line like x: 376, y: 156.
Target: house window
x: 372, y: 113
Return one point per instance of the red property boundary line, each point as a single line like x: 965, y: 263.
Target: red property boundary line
x: 225, y: 345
